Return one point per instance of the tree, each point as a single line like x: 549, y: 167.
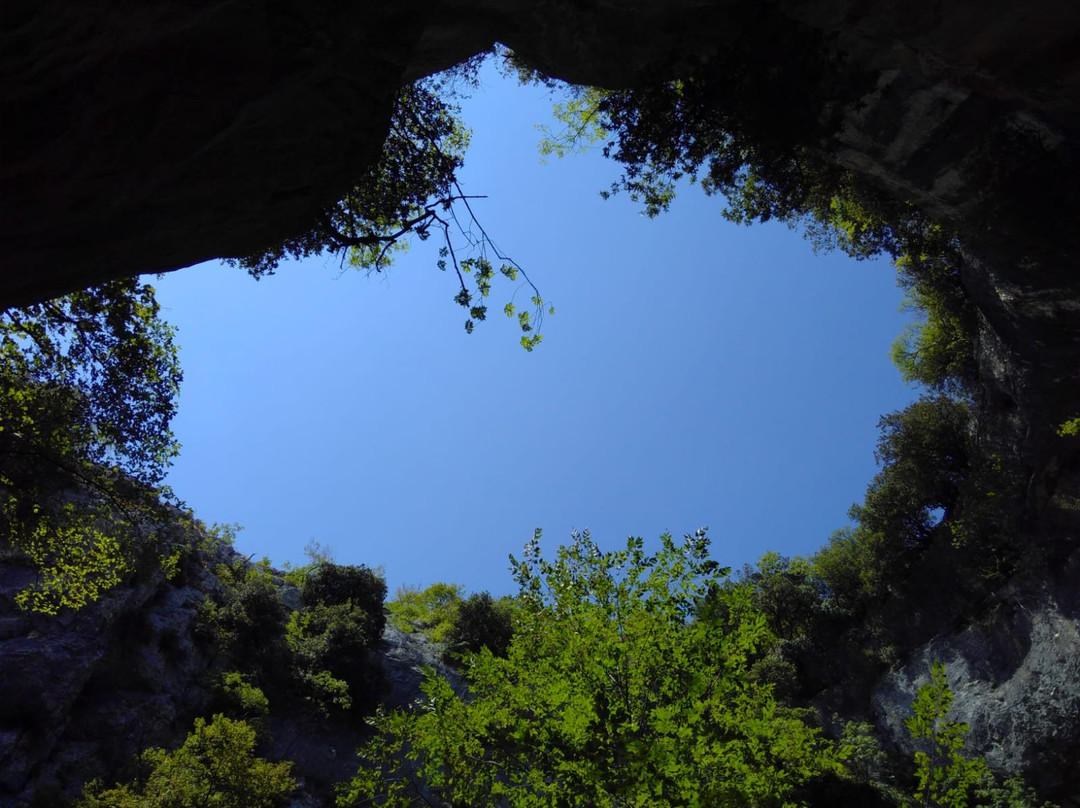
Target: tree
x: 215, y: 766
x: 88, y: 387
x: 945, y: 777
x: 413, y: 190
x: 245, y: 619
x: 340, y: 620
x: 927, y: 456
x: 482, y: 622
x: 611, y: 694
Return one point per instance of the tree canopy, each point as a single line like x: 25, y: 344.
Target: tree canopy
x: 216, y: 765
x: 611, y: 693
x: 88, y: 386
x: 413, y: 191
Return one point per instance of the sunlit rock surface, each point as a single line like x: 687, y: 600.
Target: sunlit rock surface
x: 1016, y: 680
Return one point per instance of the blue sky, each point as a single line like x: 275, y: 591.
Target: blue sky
x: 696, y: 373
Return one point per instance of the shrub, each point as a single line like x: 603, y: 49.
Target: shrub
x: 330, y: 584
x: 215, y: 766
x: 482, y: 622
x: 432, y: 610
x: 341, y: 619
x: 246, y: 620
x: 245, y: 700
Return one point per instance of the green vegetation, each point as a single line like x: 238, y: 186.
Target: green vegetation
x: 463, y: 625
x: 756, y: 141
x: 1069, y: 429
x: 88, y: 386
x: 340, y: 620
x: 431, y: 610
x: 413, y: 191
x: 316, y: 656
x: 216, y: 766
x: 611, y: 693
x: 482, y: 622
x: 945, y: 777
x: 612, y: 678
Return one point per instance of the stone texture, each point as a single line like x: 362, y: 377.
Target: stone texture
x: 143, y: 136
x: 83, y: 693
x: 1016, y: 679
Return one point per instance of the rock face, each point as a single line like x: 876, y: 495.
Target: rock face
x: 1016, y: 679
x: 152, y: 136
x: 82, y: 694
x: 143, y: 137
x: 146, y: 136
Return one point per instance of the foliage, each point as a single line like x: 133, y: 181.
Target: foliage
x: 611, y: 694
x: 88, y: 386
x: 1069, y: 428
x: 1011, y: 793
x: 938, y: 349
x: 482, y: 622
x: 341, y: 619
x: 751, y: 129
x: 861, y: 751
x: 331, y: 584
x: 945, y: 777
x: 246, y: 619
x: 850, y: 570
x: 786, y: 591
x: 413, y: 190
x: 245, y: 700
x: 432, y: 610
x: 926, y: 456
x: 215, y: 766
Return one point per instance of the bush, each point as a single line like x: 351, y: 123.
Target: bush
x: 245, y: 701
x: 482, y: 622
x: 215, y: 766
x: 341, y: 619
x: 432, y: 610
x: 246, y: 620
x: 330, y: 584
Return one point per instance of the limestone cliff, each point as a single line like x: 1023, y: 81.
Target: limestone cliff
x: 1016, y: 678
x: 82, y: 694
x: 147, y: 136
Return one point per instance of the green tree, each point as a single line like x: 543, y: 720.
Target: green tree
x: 611, y: 694
x: 88, y: 386
x: 245, y: 620
x: 926, y: 455
x: 482, y: 622
x: 340, y: 620
x: 945, y: 777
x: 432, y: 610
x: 216, y: 766
x: 413, y: 191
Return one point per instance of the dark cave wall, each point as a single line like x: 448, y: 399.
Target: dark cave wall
x: 142, y: 137
x: 145, y: 136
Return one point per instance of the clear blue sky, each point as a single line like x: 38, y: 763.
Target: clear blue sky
x: 696, y: 373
